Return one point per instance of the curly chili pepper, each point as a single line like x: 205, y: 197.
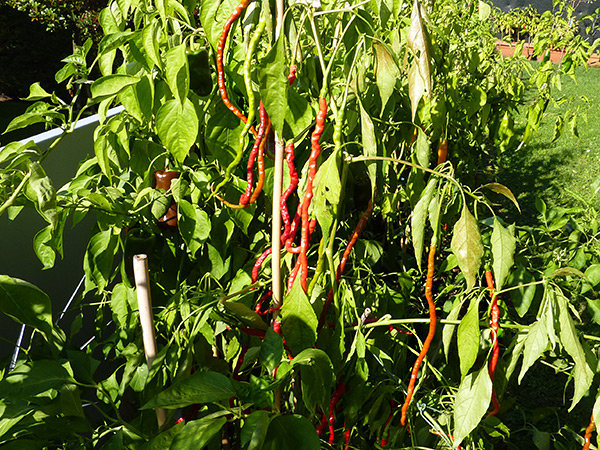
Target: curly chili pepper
x: 587, y: 440
x: 245, y: 197
x: 494, y: 326
x: 340, y: 270
x: 237, y: 12
x: 430, y: 334
x: 261, y: 164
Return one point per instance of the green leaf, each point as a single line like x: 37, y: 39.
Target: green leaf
x: 271, y: 350
x: 369, y: 142
x: 197, y: 433
x: 467, y: 246
x: 503, y: 190
x: 26, y: 304
x: 42, y: 247
x: 177, y: 72
x: 503, y: 250
x: 299, y: 114
x: 317, y: 377
x: 45, y: 193
x: 99, y: 258
x: 177, y: 127
x: 213, y: 16
x: 246, y: 315
x: 471, y: 403
x: 386, y: 72
x: 583, y: 375
x: 33, y: 378
x: 194, y: 225
x: 111, y: 85
x: 291, y: 432
x: 10, y: 415
x: 163, y: 440
x: 298, y: 320
x: 255, y: 430
x: 419, y: 219
x: 150, y: 43
x: 535, y: 345
x: 592, y: 274
x: 274, y: 84
x: 468, y: 337
x: 423, y: 148
x: 36, y: 92
x: 524, y: 295
x: 448, y: 329
x: 200, y: 387
x: 484, y: 10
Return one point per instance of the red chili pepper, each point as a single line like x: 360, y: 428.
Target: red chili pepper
x: 259, y: 263
x: 285, y: 214
x: 322, y: 425
x: 261, y: 164
x: 494, y: 326
x: 335, y: 398
x: 277, y: 326
x: 258, y: 307
x: 220, y: 70
x: 347, y: 434
x: 340, y: 270
x: 292, y: 74
x: 386, y: 429
x: 587, y: 440
x: 245, y: 197
x: 430, y: 334
x: 253, y: 332
x: 312, y: 171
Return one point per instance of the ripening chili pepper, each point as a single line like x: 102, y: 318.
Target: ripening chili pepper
x: 312, y: 171
x: 430, y: 334
x: 251, y: 105
x: 322, y: 425
x: 253, y: 332
x: 386, y: 428
x: 442, y: 152
x: 347, y: 434
x: 220, y: 70
x: 335, y: 398
x: 260, y: 182
x: 292, y: 74
x: 340, y: 270
x: 494, y: 326
x: 587, y: 439
x: 259, y: 263
x: 245, y: 197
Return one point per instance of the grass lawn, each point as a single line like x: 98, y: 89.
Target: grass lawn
x: 558, y: 172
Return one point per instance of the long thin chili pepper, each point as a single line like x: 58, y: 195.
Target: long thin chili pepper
x: 220, y: 70
x: 285, y: 214
x: 494, y: 326
x: 322, y: 425
x: 260, y: 182
x: 312, y: 171
x: 335, y: 398
x: 587, y: 440
x: 258, y: 307
x: 430, y: 334
x: 347, y: 434
x: 251, y: 103
x: 340, y: 270
x: 259, y: 263
x: 386, y: 428
x: 245, y: 197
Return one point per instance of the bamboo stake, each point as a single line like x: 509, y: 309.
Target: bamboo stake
x: 142, y: 287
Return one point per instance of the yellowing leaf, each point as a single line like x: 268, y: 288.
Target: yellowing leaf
x: 386, y: 72
x: 466, y: 245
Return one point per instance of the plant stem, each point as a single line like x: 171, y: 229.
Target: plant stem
x: 8, y: 203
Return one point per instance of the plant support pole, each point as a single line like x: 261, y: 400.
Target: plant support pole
x: 142, y: 287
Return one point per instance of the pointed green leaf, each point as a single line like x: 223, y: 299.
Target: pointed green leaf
x: 274, y: 84
x: 291, y: 432
x: 503, y: 250
x: 423, y: 148
x: 33, y: 378
x: 26, y: 304
x: 177, y: 127
x: 416, y: 88
x: 448, y: 329
x: 468, y: 337
x: 467, y: 246
x: 419, y: 219
x: 317, y: 376
x: 45, y: 193
x: 524, y: 295
x: 177, y: 72
x: 535, y: 345
x: 471, y: 404
x: 197, y: 433
x: 369, y: 142
x: 298, y: 320
x: 194, y: 225
x: 111, y: 85
x: 386, y: 72
x: 200, y: 387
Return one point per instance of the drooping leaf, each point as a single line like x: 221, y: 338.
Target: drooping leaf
x: 467, y: 246
x: 200, y: 387
x: 177, y: 127
x: 534, y: 346
x: 468, y: 337
x: 484, y: 10
x: 291, y: 432
x: 369, y: 142
x: 163, y: 440
x: 416, y: 88
x: 503, y: 190
x: 503, y: 250
x: 419, y: 219
x: 448, y: 329
x: 524, y: 295
x: 246, y: 315
x: 99, y: 257
x: 45, y: 194
x: 111, y: 85
x: 471, y: 403
x: 298, y: 320
x: 194, y: 225
x: 26, y: 304
x: 274, y: 84
x: 255, y: 430
x: 583, y: 374
x: 271, y: 350
x: 317, y: 376
x: 197, y: 433
x: 422, y: 148
x: 177, y: 72
x: 386, y: 72
x: 418, y: 42
x: 33, y: 378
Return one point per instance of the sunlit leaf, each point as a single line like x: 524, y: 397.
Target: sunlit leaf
x: 197, y: 433
x: 467, y: 246
x: 298, y: 320
x: 503, y: 190
x: 419, y: 219
x: 177, y: 127
x: 468, y: 337
x: 503, y: 250
x: 471, y: 403
x: 25, y: 303
x: 386, y: 72
x: 274, y: 84
x: 535, y: 345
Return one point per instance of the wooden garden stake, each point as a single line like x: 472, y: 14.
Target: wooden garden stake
x: 142, y: 287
